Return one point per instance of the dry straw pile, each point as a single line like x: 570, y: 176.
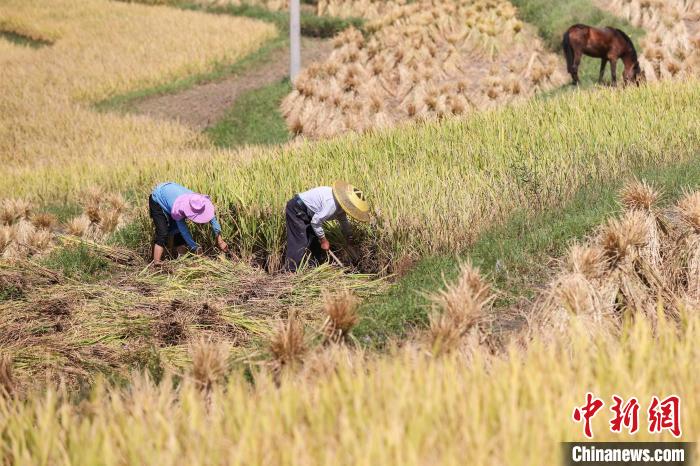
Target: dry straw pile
x: 646, y: 263
x: 422, y: 60
x: 26, y: 232
x: 671, y: 48
x: 56, y: 327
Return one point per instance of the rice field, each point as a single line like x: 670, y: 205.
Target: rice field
x: 105, y: 360
x: 47, y: 119
x: 532, y: 155
x: 404, y: 408
x: 422, y: 60
x: 445, y: 394
x: 526, y: 157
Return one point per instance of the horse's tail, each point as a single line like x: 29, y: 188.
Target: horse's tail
x: 568, y: 51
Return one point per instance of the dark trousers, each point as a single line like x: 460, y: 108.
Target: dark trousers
x: 164, y: 224
x: 301, y: 237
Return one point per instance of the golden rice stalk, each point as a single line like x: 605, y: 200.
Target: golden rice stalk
x: 7, y: 380
x: 445, y: 336
x: 92, y: 202
x: 458, y: 308
x: 287, y: 343
x: 7, y: 236
x: 325, y: 360
x: 341, y: 309
x: 109, y: 221
x: 689, y: 210
x: 79, y: 226
x: 636, y: 297
x: 574, y: 300
x: 13, y: 210
x: 39, y: 240
x: 574, y: 293
x: 621, y: 237
x: 693, y: 267
x: 642, y: 197
x: 209, y: 362
x: 93, y: 195
x: 44, y: 221
x: 24, y: 230
x: 116, y: 203
x: 639, y: 195
x: 589, y: 261
x: 93, y: 213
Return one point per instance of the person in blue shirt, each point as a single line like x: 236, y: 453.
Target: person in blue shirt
x: 170, y: 205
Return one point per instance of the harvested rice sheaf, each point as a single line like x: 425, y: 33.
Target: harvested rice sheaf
x: 615, y: 274
x: 458, y: 309
x: 287, y: 343
x: 341, y: 309
x: 424, y: 60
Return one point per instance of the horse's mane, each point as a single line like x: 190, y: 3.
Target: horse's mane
x: 630, y: 43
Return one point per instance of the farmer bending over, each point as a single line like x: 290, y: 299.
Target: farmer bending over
x: 306, y: 212
x: 169, y: 205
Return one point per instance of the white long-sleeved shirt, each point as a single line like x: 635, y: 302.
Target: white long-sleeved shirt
x: 321, y: 203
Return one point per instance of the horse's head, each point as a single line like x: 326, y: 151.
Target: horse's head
x: 634, y: 74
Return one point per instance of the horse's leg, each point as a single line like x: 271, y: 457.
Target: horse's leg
x: 613, y: 70
x: 603, y: 62
x: 577, y: 62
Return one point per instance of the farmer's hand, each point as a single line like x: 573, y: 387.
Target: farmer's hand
x: 325, y: 245
x: 221, y: 244
x: 199, y: 251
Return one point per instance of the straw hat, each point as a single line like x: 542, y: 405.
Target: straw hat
x: 351, y: 200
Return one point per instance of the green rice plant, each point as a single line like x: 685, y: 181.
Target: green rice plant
x: 442, y: 184
x: 435, y: 187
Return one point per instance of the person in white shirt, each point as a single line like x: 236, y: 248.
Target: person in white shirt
x: 307, y: 212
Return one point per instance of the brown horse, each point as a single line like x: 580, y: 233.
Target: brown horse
x: 608, y: 44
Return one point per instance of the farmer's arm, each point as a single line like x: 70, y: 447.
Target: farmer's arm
x: 317, y: 224
x: 216, y: 228
x: 185, y: 232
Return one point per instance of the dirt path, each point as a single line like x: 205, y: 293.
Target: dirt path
x: 202, y: 106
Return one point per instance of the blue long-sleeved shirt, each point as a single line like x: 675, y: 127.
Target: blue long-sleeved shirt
x: 165, y: 195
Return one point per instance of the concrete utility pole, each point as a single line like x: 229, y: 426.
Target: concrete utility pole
x: 294, y: 39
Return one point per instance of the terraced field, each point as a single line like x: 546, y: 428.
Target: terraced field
x: 512, y: 262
